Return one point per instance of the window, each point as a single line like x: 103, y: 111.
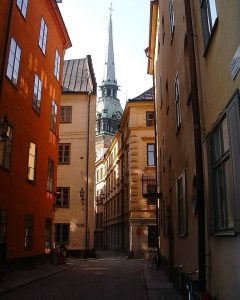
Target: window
x: 150, y: 118
x: 161, y: 91
x: 167, y: 96
x: 13, y: 61
x: 5, y: 152
x: 48, y: 231
x: 22, y: 5
x: 163, y: 30
x: 171, y: 16
x: 222, y: 171
x: 43, y: 36
x: 28, y: 239
x: 64, y: 153
x: 209, y: 18
x: 57, y: 65
x: 63, y: 196
x: 177, y: 102
x: 32, y: 161
x: 37, y: 93
x: 66, y: 114
x: 151, y: 154
x: 181, y: 204
x: 50, y: 175
x: 61, y: 233
x: 152, y: 236
x: 54, y: 117
x: 3, y: 219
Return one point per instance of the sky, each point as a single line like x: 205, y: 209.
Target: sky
x: 87, y: 23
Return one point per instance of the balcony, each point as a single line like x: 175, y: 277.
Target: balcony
x: 149, y: 188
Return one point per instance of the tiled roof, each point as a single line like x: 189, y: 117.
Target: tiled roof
x: 78, y: 75
x: 146, y: 96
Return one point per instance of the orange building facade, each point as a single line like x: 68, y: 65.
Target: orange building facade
x: 31, y: 75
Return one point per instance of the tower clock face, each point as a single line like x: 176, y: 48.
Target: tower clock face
x: 118, y: 114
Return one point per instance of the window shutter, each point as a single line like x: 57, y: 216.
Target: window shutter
x: 208, y: 178
x: 234, y: 132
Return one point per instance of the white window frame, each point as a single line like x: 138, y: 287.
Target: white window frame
x: 177, y: 102
x: 43, y: 36
x: 37, y: 93
x: 14, y: 61
x: 22, y: 5
x: 57, y: 65
x: 171, y: 16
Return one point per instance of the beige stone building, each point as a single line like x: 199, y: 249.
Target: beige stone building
x: 74, y: 215
x: 129, y: 220
x: 194, y: 58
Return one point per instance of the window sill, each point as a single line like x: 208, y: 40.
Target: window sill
x: 33, y: 182
x: 178, y: 129
x: 224, y: 233
x: 210, y: 38
x: 11, y: 82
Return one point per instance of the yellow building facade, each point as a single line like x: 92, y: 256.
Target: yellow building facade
x: 129, y: 220
x: 74, y: 215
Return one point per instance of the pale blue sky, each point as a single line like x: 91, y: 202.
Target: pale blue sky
x: 87, y: 24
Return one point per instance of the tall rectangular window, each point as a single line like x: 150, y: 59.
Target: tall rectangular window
x: 61, y: 233
x: 181, y: 204
x: 32, y: 161
x: 22, y: 5
x: 171, y: 16
x: 161, y: 91
x: 37, y: 93
x: 64, y: 153
x: 3, y: 219
x: 50, y: 175
x: 63, y: 197
x: 48, y: 231
x: 5, y: 152
x: 43, y: 36
x: 57, y: 65
x: 66, y: 114
x: 209, y: 17
x: 28, y: 239
x: 177, y: 102
x: 151, y: 154
x: 54, y: 117
x: 150, y: 118
x: 13, y: 61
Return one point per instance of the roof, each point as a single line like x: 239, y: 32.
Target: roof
x: 78, y: 76
x: 146, y: 96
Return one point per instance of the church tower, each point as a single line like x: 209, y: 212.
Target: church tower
x: 109, y: 110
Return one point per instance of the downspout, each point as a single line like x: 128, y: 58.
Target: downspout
x: 7, y: 34
x: 87, y: 182
x: 198, y: 148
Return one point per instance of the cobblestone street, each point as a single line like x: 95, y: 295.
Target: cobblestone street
x: 104, y: 278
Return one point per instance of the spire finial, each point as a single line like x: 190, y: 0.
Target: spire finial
x: 111, y: 9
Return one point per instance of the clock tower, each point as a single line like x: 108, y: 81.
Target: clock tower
x: 109, y: 110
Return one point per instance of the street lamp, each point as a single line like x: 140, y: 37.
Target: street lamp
x: 5, y: 129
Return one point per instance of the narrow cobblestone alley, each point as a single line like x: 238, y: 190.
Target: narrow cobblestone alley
x: 108, y: 277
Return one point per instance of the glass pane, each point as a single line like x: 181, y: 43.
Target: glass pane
x: 221, y: 199
x: 229, y: 192
x: 216, y: 144
x: 225, y: 136
x: 213, y: 10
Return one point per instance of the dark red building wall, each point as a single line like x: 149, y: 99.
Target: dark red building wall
x: 17, y: 196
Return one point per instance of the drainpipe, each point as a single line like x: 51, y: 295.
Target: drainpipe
x: 7, y: 34
x: 198, y: 148
x: 87, y: 183
x: 122, y: 188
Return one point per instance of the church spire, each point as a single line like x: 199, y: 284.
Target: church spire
x: 109, y: 75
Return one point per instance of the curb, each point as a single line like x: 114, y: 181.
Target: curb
x: 27, y: 282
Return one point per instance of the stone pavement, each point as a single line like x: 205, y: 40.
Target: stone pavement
x: 157, y: 284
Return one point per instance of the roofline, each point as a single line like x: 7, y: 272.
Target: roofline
x: 152, y: 35
x: 92, y: 74
x: 62, y: 25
